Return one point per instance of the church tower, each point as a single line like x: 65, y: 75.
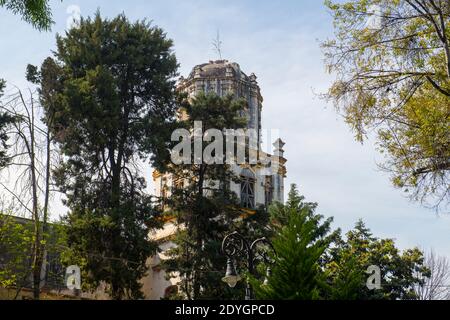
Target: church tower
x: 260, y: 183
x: 259, y: 186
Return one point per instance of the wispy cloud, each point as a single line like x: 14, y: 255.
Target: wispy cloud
x: 279, y: 42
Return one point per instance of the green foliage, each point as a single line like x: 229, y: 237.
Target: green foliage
x: 17, y: 238
x: 36, y: 12
x: 16, y: 241
x: 314, y: 263
x: 351, y: 257
x: 109, y: 99
x: 5, y: 120
x: 393, y: 78
x: 205, y: 208
x: 345, y: 278
x: 300, y: 241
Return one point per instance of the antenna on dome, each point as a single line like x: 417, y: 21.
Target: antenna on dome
x: 217, y: 45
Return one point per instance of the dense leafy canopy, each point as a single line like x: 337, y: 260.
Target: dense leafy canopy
x: 359, y: 250
x: 314, y: 263
x: 109, y: 99
x: 17, y: 238
x: 392, y: 62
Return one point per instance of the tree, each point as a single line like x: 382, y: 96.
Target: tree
x: 300, y: 241
x: 5, y: 120
x: 345, y: 278
x: 110, y: 102
x: 31, y: 162
x: 392, y: 63
x: 360, y: 250
x: 312, y: 262
x: 16, y: 240
x: 436, y: 285
x: 36, y: 12
x: 202, y: 203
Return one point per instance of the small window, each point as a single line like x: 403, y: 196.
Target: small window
x: 248, y: 189
x: 269, y: 190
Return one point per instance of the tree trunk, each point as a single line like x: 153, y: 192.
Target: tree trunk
x: 37, y: 254
x: 198, y: 241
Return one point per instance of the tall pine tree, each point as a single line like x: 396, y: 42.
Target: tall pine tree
x: 110, y: 99
x: 300, y: 241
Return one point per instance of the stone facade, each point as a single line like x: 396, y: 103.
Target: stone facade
x: 261, y: 183
x: 222, y: 78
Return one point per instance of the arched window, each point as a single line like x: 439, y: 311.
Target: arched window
x: 248, y: 180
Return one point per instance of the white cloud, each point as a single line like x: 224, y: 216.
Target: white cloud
x: 278, y: 43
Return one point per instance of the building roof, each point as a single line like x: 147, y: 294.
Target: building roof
x: 219, y: 69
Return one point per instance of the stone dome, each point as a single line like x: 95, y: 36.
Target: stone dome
x: 218, y: 69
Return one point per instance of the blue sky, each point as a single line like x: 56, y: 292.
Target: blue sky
x: 279, y: 42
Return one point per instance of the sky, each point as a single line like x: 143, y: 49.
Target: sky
x: 280, y: 42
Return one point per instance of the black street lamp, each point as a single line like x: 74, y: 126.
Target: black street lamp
x: 236, y: 245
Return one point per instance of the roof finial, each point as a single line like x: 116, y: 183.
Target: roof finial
x: 217, y: 44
